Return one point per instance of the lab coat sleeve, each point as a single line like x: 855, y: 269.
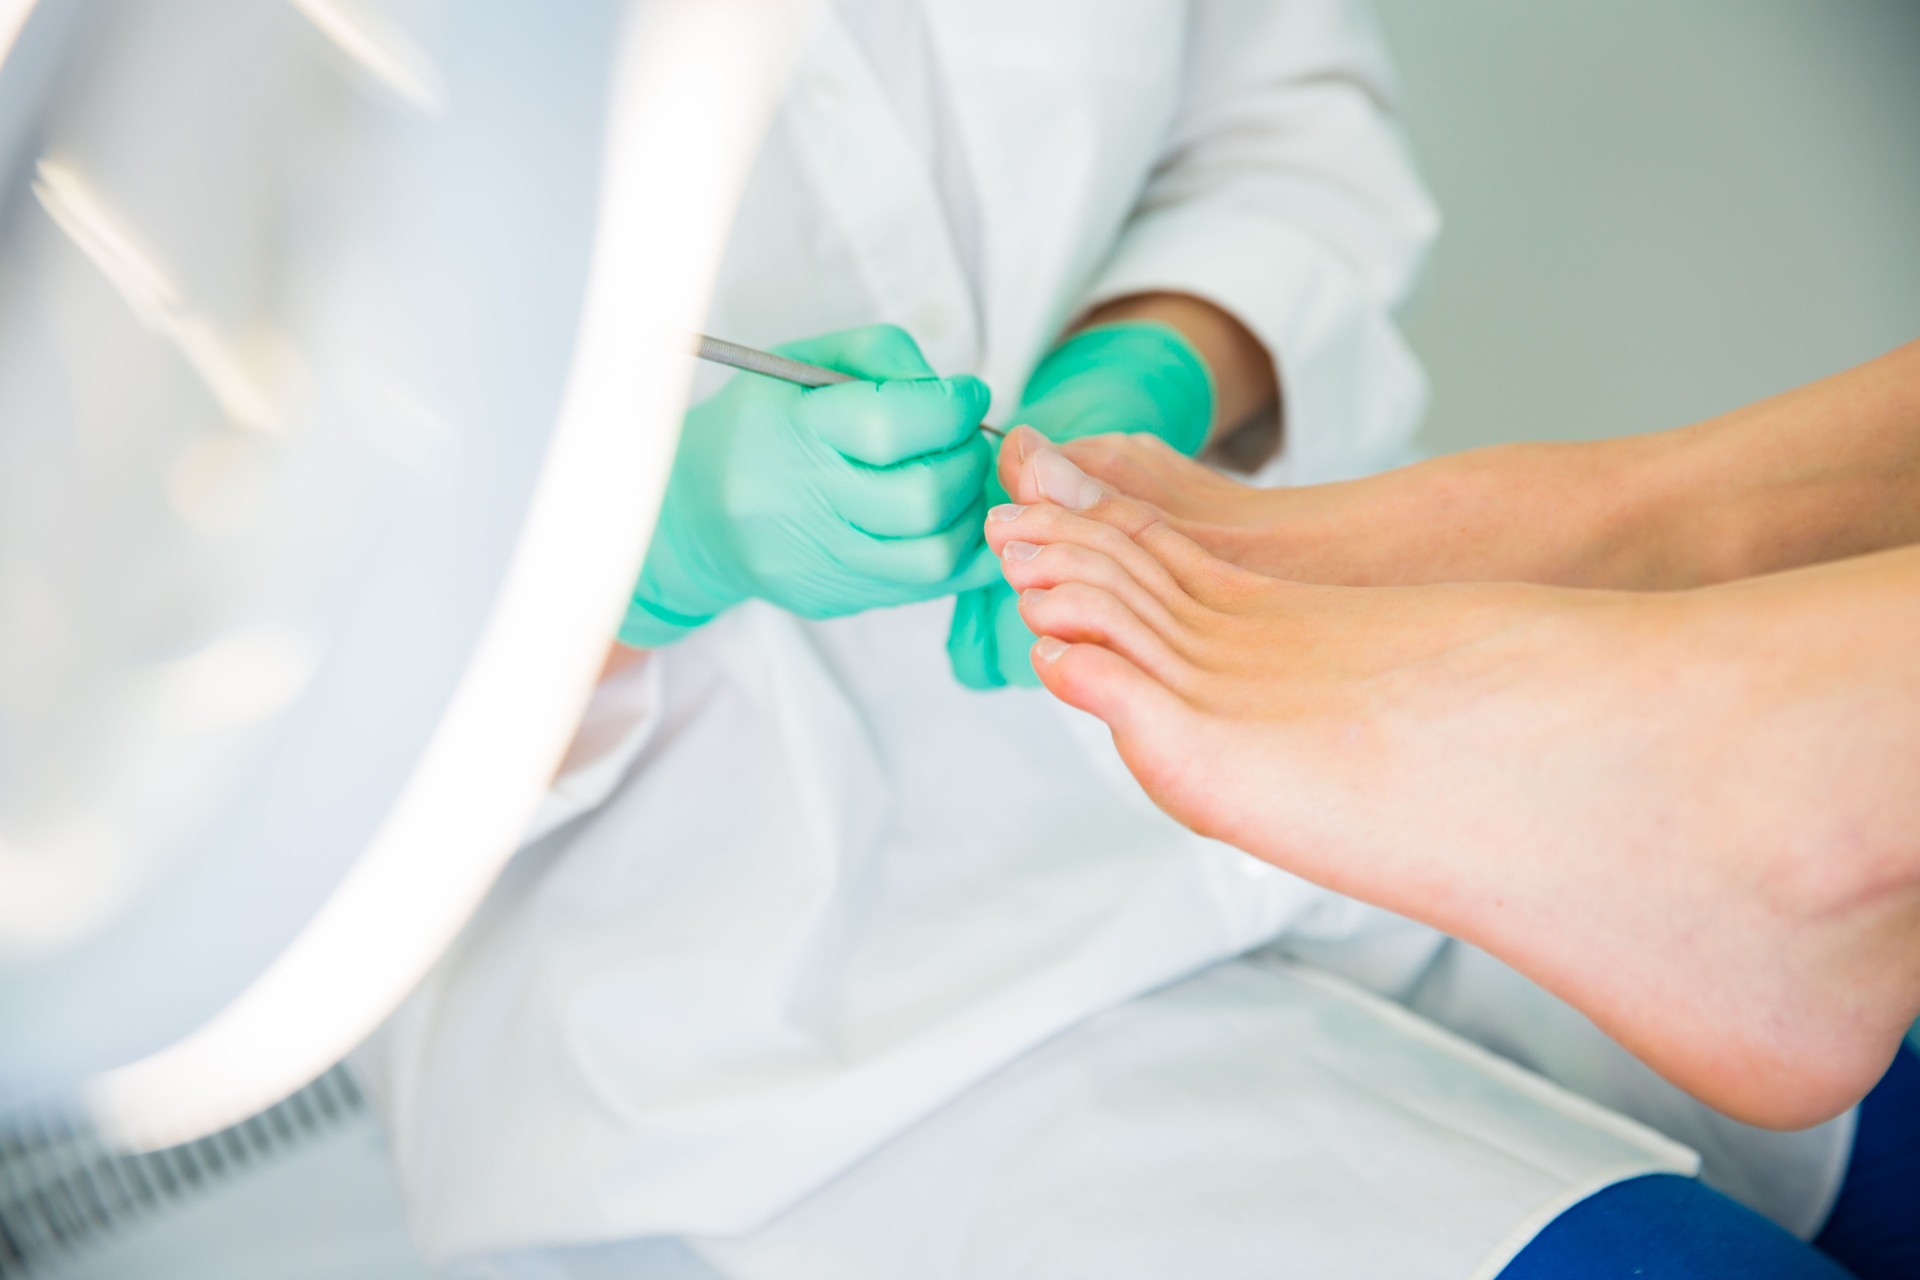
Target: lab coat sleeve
x: 620, y: 718
x: 1286, y: 195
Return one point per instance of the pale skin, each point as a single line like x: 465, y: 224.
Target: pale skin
x: 1640, y: 717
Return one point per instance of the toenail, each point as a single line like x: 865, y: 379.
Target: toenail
x: 1032, y: 595
x: 1020, y: 550
x: 1006, y: 511
x: 1047, y: 648
x: 1063, y: 482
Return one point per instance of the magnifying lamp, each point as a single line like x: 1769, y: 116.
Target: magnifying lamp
x: 341, y: 365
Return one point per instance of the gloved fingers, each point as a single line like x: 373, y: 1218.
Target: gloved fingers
x: 988, y: 643
x: 1013, y: 643
x: 983, y: 570
x: 1129, y: 376
x: 971, y: 650
x: 918, y: 497
x: 918, y: 568
x: 884, y: 423
x: 874, y: 352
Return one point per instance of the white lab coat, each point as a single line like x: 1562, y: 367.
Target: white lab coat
x: 805, y: 891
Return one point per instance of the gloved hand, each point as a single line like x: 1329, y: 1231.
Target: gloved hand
x: 1132, y: 376
x: 825, y: 501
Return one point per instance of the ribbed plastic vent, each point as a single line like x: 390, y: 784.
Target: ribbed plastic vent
x: 62, y: 1190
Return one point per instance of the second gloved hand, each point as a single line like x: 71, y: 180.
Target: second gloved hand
x: 823, y: 501
x: 1120, y: 377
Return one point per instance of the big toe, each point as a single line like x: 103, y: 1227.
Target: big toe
x: 1017, y: 446
x: 1133, y: 463
x: 1048, y: 475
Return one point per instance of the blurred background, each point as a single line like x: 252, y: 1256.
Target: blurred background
x: 1654, y: 211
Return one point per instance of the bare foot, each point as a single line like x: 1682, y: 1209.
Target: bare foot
x: 1248, y: 526
x: 1561, y: 514
x: 1486, y: 758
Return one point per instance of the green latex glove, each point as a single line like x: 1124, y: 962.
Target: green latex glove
x: 1122, y: 377
x: 825, y: 501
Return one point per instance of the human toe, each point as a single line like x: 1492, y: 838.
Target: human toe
x: 1046, y: 525
x: 1104, y: 684
x: 1030, y: 565
x: 1015, y: 449
x: 1078, y: 612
